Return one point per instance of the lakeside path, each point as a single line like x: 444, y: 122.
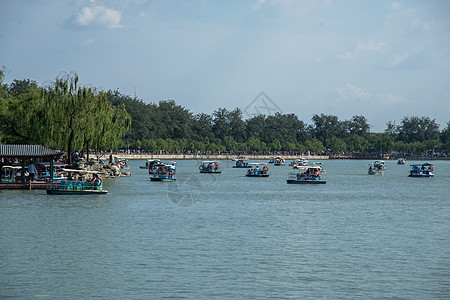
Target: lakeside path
x: 215, y: 156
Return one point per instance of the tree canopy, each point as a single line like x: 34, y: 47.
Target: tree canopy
x: 67, y: 115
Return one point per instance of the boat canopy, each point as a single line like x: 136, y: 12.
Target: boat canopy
x: 258, y: 164
x: 47, y: 164
x: 314, y: 167
x: 80, y: 171
x: 12, y: 167
x: 422, y: 165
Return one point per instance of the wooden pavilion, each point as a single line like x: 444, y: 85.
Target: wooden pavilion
x: 24, y: 153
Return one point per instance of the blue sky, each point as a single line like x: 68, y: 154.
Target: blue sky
x: 381, y: 59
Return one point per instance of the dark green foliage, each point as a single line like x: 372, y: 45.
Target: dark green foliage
x: 82, y: 117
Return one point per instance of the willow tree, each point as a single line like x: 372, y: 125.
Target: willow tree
x: 105, y: 125
x: 79, y: 116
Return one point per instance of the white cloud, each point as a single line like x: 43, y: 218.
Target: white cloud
x: 319, y: 59
x: 389, y: 98
x: 287, y: 5
x: 87, y: 43
x: 363, y: 48
x: 396, y: 6
x: 371, y: 46
x: 351, y: 92
x: 98, y: 16
x: 426, y: 25
x: 397, y: 60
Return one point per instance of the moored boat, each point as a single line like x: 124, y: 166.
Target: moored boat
x: 72, y: 186
x: 422, y: 170
x: 310, y: 176
x: 258, y: 170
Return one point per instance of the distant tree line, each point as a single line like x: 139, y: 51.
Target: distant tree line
x: 65, y: 115
x: 173, y: 128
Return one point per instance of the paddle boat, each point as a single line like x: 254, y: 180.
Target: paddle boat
x: 123, y: 163
x: 149, y: 163
x: 279, y: 161
x: 380, y: 164
x: 320, y: 167
x: 375, y: 169
x: 301, y: 164
x: 242, y: 163
x: 272, y: 160
x: 163, y: 172
x: 258, y: 170
x: 44, y: 171
x: 402, y: 161
x: 311, y: 176
x: 210, y: 166
x: 10, y: 173
x: 80, y: 186
x: 421, y: 170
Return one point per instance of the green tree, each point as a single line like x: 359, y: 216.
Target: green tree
x: 314, y: 145
x: 326, y: 126
x: 336, y: 144
x: 380, y: 142
x: 445, y: 138
x: 77, y: 116
x: 237, y: 125
x: 221, y: 125
x: 356, y: 143
x: 418, y: 129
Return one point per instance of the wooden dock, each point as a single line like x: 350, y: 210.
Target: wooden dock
x: 24, y: 185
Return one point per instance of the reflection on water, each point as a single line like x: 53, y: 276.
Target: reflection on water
x: 230, y: 236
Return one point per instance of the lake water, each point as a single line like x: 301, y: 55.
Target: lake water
x: 226, y: 236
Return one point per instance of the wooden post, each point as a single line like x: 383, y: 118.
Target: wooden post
x: 23, y: 170
x: 51, y: 170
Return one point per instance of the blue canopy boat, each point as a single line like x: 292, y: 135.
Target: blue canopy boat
x: 149, y: 163
x: 421, y: 170
x: 310, y: 176
x: 163, y: 172
x: 375, y: 169
x: 257, y: 171
x: 242, y: 163
x: 78, y: 187
x: 279, y: 161
x: 402, y: 161
x: 210, y: 166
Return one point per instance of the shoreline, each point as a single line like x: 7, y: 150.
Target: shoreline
x: 215, y: 156
x: 260, y: 157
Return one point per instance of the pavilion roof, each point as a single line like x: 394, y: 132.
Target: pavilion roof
x: 28, y: 151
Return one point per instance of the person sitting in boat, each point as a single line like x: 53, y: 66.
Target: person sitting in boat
x: 19, y: 176
x: 97, y: 180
